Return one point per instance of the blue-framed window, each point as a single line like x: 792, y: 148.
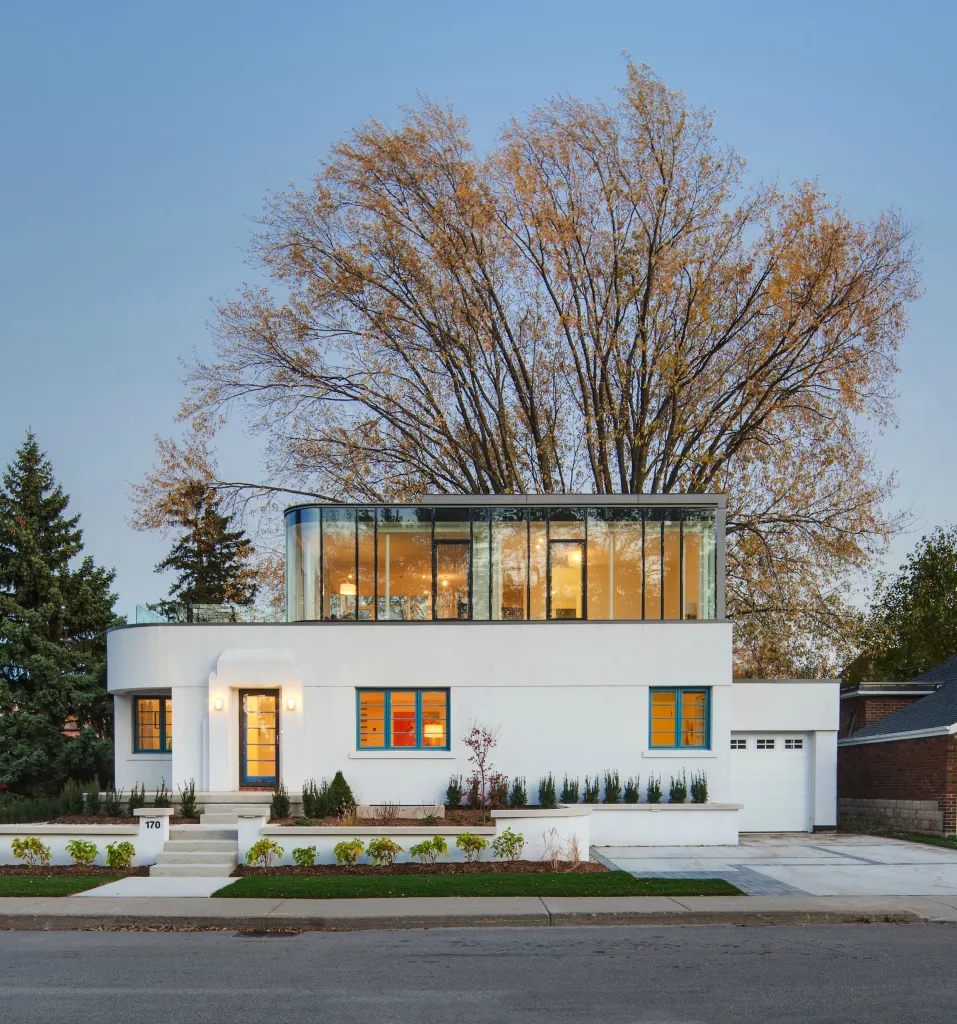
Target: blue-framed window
x: 680, y: 718
x: 402, y: 719
x: 152, y: 725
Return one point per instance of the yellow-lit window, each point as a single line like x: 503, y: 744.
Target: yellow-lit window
x: 403, y: 718
x: 152, y: 725
x: 434, y: 718
x: 679, y: 718
x: 371, y: 718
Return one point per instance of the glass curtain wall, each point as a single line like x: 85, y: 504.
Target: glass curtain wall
x: 513, y: 564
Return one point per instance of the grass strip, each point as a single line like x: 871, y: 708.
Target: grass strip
x: 51, y: 885
x: 950, y: 842
x: 612, y: 883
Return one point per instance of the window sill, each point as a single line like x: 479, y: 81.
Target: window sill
x: 401, y: 755
x: 140, y: 755
x: 685, y: 752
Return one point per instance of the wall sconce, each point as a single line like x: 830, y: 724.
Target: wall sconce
x: 218, y: 703
x: 291, y: 703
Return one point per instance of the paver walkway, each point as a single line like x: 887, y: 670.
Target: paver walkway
x: 802, y: 864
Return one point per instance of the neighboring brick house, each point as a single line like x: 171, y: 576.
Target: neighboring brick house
x: 897, y: 752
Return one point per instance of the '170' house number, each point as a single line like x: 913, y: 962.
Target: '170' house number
x: 153, y: 823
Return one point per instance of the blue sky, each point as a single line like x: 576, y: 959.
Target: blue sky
x: 137, y: 142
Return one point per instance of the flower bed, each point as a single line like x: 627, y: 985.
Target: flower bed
x: 92, y: 871
x: 506, y: 867
x: 451, y: 818
x: 100, y: 819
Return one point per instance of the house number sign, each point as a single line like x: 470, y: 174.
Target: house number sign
x: 153, y: 823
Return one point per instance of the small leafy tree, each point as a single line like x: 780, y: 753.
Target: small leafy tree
x: 82, y: 852
x: 480, y: 740
x: 263, y: 852
x: 471, y: 845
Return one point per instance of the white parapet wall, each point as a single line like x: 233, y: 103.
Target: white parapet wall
x: 563, y: 833
x: 664, y: 824
x: 148, y: 837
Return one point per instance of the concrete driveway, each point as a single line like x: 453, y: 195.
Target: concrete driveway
x: 802, y: 864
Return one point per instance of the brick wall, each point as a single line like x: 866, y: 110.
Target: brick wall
x: 919, y: 770
x: 856, y: 712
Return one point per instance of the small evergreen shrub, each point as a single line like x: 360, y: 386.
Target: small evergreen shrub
x: 303, y: 823
x: 383, y: 851
x: 71, y: 798
x: 654, y: 789
x: 569, y: 791
x: 546, y: 792
x: 279, y: 806
x: 315, y: 800
x: 304, y: 856
x: 429, y: 850
x: 699, y: 788
x: 31, y: 851
x: 119, y: 855
x: 348, y: 852
x: 187, y: 799
x: 91, y: 801
x: 473, y: 795
x: 137, y: 798
x: 592, y: 791
x: 632, y: 790
x: 15, y: 809
x: 518, y: 797
x: 263, y: 852
x: 82, y: 852
x: 612, y: 788
x: 113, y: 803
x: 678, y: 792
x: 471, y: 845
x: 163, y: 796
x: 341, y: 801
x: 508, y: 845
x: 454, y: 793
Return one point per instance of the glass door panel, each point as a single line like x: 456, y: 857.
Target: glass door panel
x: 259, y: 732
x: 452, y: 580
x: 565, y: 578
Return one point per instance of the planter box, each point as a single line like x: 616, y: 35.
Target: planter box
x: 664, y: 824
x: 549, y: 833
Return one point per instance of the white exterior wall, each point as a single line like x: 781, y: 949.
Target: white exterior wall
x: 797, y: 706
x: 566, y: 697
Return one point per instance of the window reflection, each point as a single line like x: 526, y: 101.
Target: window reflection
x: 509, y: 564
x: 404, y: 564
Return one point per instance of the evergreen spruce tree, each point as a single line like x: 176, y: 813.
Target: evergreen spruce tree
x: 54, y: 614
x: 211, y: 560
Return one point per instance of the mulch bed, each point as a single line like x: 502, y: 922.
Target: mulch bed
x: 456, y: 818
x: 70, y: 869
x: 505, y: 867
x: 102, y: 819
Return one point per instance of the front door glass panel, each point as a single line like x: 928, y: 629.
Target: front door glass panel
x: 260, y: 730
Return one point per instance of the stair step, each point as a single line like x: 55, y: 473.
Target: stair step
x: 200, y: 846
x: 199, y: 833
x: 197, y: 858
x: 218, y: 819
x: 238, y: 809
x: 191, y: 870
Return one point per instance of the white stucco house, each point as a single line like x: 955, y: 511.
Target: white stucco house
x: 589, y: 631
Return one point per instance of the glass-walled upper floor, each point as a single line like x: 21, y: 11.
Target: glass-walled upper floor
x: 586, y: 560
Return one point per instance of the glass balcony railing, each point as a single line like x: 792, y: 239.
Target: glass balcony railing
x: 214, y: 614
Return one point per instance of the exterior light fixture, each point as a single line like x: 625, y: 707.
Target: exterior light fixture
x: 218, y: 703
x: 291, y: 703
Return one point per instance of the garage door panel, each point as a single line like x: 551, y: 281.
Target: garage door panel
x: 771, y: 777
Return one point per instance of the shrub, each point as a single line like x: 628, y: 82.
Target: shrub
x: 546, y: 792
x: 509, y: 845
x: 303, y: 822
x: 137, y: 798
x: 612, y: 788
x: 163, y: 796
x: 341, y: 800
x: 187, y: 799
x: 497, y: 791
x: 473, y: 795
x: 429, y: 849
x: 113, y: 803
x: 453, y: 794
x: 71, y: 798
x: 678, y: 792
x: 18, y: 809
x: 383, y: 851
x: 304, y: 856
x: 569, y: 791
x: 471, y: 845
x: 348, y: 852
x: 592, y: 791
x: 315, y: 800
x: 518, y: 797
x: 654, y: 789
x: 31, y: 851
x: 82, y: 852
x: 263, y: 851
x: 632, y: 790
x: 699, y: 788
x: 91, y: 802
x: 279, y: 806
x: 119, y: 855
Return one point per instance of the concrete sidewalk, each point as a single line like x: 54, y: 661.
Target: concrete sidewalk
x: 186, y: 913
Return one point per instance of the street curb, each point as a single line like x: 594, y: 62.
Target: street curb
x: 200, y: 922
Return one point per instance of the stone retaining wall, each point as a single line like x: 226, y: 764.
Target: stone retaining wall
x: 901, y: 815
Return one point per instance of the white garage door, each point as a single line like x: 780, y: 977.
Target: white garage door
x: 771, y: 776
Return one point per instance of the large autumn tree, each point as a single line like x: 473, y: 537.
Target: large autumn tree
x: 602, y: 302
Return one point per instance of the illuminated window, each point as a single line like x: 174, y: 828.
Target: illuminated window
x: 152, y: 725
x: 403, y: 719
x: 679, y: 718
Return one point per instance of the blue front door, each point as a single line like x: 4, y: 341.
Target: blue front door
x: 259, y: 729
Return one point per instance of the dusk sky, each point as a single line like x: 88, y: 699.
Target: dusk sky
x: 137, y: 142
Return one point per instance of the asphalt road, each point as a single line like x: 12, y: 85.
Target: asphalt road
x: 871, y: 973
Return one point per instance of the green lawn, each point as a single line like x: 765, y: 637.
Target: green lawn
x: 51, y: 885
x: 913, y: 837
x: 611, y: 883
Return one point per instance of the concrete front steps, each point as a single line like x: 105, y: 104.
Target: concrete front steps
x: 193, y: 851
x: 224, y: 808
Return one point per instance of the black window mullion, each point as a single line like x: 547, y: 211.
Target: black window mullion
x: 681, y: 566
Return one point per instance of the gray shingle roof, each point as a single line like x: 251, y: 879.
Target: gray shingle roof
x: 930, y: 712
